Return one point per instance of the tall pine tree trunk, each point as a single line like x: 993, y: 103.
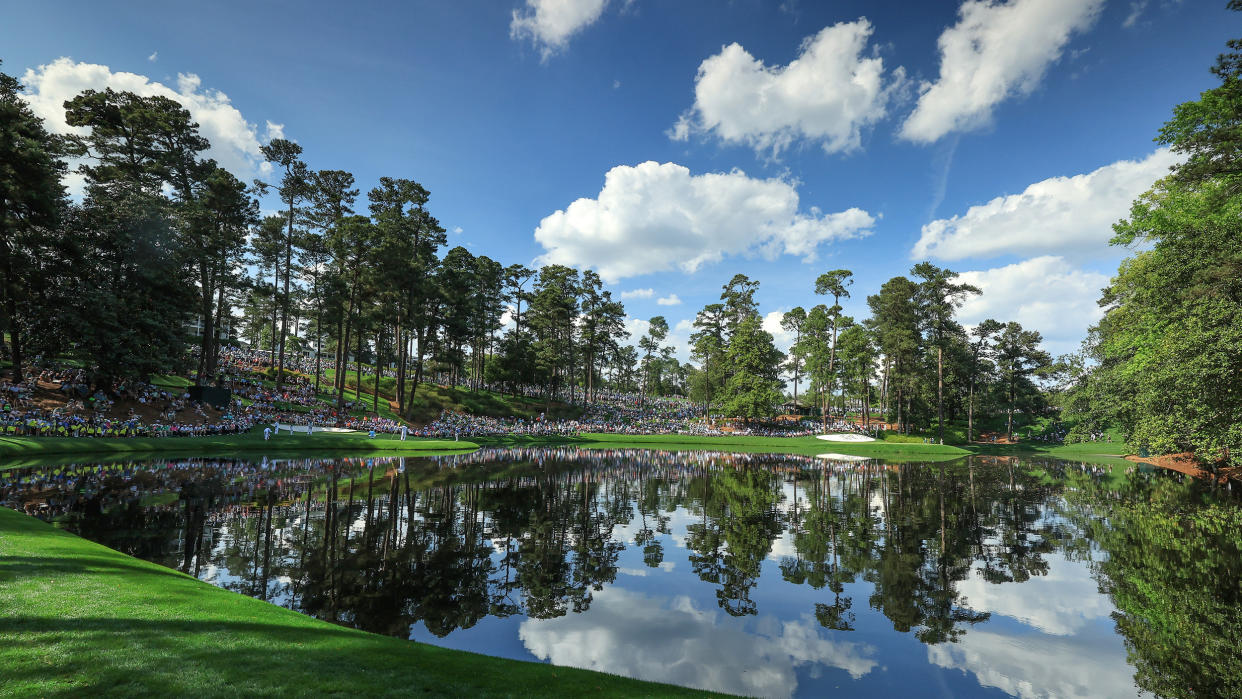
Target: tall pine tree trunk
x: 379, y: 335
x: 401, y: 352
x: 284, y: 305
x: 1012, y: 381
x: 318, y: 340
x: 205, y: 310
x: 213, y: 359
x: 344, y: 345
x: 275, y: 283
x: 358, y: 364
x: 940, y: 392
x: 421, y: 336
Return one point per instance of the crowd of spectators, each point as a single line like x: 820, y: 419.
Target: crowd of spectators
x: 236, y: 360
x: 457, y: 425
x: 160, y: 410
x: 52, y: 423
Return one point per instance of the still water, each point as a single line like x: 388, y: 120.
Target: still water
x: 744, y: 573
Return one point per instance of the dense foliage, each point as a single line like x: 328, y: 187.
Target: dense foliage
x: 1164, y: 363
x: 162, y: 237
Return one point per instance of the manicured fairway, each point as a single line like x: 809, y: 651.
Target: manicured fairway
x: 78, y: 618
x: 1101, y: 453
x: 27, y: 450
x: 356, y: 442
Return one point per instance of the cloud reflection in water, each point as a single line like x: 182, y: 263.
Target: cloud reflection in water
x: 672, y: 640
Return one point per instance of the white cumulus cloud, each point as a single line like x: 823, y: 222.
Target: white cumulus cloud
x: 1047, y: 294
x: 827, y: 95
x: 234, y: 141
x: 651, y: 217
x: 997, y: 50
x: 274, y: 130
x: 670, y: 300
x: 782, y: 338
x: 549, y: 24
x: 1057, y: 215
x: 678, y: 335
x: 637, y: 294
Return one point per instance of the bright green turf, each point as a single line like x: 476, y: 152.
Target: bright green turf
x: 808, y: 446
x: 26, y: 449
x: 426, y: 401
x: 31, y: 447
x: 77, y: 618
x: 1095, y: 452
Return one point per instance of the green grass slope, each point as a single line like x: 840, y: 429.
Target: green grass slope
x: 77, y: 618
x: 430, y: 400
x: 27, y: 448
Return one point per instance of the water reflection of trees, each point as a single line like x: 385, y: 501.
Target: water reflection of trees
x: 914, y: 532
x: 448, y: 555
x: 382, y: 547
x: 1173, y: 568
x: 384, y: 544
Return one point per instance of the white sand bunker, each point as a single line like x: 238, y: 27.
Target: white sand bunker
x: 842, y: 457
x: 845, y: 437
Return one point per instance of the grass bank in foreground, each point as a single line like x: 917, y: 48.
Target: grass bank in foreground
x: 79, y: 618
x: 356, y: 442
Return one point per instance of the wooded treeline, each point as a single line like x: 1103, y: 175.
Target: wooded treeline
x: 910, y: 361
x: 1165, y: 363
x: 164, y: 236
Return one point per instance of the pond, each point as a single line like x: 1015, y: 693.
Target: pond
x: 755, y: 574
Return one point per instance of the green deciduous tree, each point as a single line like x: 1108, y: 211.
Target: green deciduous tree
x: 1167, y: 365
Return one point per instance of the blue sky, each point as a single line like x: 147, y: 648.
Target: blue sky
x: 698, y: 139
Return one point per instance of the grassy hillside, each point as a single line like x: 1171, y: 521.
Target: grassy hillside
x: 430, y: 400
x: 77, y: 618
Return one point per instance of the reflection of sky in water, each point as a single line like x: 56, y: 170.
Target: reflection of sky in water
x: 1091, y: 663
x: 678, y: 640
x: 1060, y: 603
x: 1051, y: 635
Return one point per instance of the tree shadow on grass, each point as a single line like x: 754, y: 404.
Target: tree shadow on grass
x: 126, y: 656
x: 17, y: 567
